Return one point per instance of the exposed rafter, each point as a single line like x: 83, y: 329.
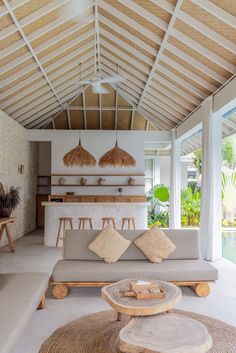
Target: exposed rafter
x: 162, y: 48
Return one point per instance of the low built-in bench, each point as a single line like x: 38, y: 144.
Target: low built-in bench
x: 82, y: 268
x: 20, y: 295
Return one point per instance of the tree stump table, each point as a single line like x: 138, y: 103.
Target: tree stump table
x: 164, y: 333
x: 113, y: 294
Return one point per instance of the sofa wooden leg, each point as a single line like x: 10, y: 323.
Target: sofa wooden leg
x: 201, y: 289
x: 42, y: 303
x: 59, y: 291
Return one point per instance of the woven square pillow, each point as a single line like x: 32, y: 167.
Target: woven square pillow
x: 109, y: 245
x: 155, y: 244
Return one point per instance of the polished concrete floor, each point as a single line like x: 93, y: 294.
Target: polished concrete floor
x: 31, y: 255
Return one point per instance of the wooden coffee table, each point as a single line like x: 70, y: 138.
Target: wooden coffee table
x: 140, y: 307
x: 164, y: 333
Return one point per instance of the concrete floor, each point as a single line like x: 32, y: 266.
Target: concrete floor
x: 31, y: 255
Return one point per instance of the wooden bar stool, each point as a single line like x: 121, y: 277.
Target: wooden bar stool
x: 82, y: 222
x: 108, y: 220
x: 62, y: 224
x: 130, y: 222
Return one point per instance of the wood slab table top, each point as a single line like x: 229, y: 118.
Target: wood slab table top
x: 113, y: 294
x: 164, y: 333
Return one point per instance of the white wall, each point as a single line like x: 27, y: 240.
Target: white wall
x: 165, y: 172
x: 14, y: 150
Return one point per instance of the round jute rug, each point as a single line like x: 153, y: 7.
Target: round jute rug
x: 98, y: 332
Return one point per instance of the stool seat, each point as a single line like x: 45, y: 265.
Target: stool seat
x: 108, y: 220
x: 83, y: 220
x: 130, y: 222
x: 63, y: 221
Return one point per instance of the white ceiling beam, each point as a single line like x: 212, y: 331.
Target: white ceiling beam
x: 51, y: 42
x: 203, y: 50
x: 179, y: 80
x: 168, y: 123
x: 230, y: 123
x: 166, y: 102
x: 165, y: 5
x: 85, y: 5
x: 100, y: 111
x: 155, y: 86
x: 36, y: 15
x: 132, y: 86
x: 97, y: 31
x: 49, y: 68
x: 121, y: 31
x: 125, y: 66
x: 29, y: 112
x: 207, y: 31
x: 31, y: 49
x: 162, y: 48
x: 55, y: 77
x: 216, y: 11
x: 126, y: 46
x: 97, y: 108
x: 147, y: 125
x: 176, y: 89
x: 68, y: 117
x: 153, y: 119
x: 160, y: 107
x: 126, y: 19
x: 49, y: 115
x: 132, y: 119
x: 125, y: 56
x: 17, y: 110
x: 195, y: 63
x: 41, y: 120
x: 191, y: 75
x: 122, y: 72
x: 156, y: 21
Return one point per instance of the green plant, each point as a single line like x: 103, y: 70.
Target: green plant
x: 190, y: 207
x: 229, y: 191
x: 9, y: 199
x: 158, y: 196
x: 160, y: 219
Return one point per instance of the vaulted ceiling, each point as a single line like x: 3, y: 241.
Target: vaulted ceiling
x: 171, y: 54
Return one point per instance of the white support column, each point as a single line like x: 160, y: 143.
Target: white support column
x: 211, y: 205
x: 175, y: 182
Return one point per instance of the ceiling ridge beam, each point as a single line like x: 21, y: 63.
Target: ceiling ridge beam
x: 162, y: 48
x: 97, y: 31
x: 31, y: 49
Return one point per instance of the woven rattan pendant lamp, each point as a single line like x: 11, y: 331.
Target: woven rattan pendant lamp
x: 117, y: 157
x: 79, y: 157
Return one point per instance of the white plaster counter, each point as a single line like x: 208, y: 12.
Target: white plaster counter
x: 95, y: 210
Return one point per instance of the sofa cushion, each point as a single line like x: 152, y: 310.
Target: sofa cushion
x: 77, y: 242
x: 20, y: 295
x: 155, y: 245
x: 168, y: 270
x: 109, y: 245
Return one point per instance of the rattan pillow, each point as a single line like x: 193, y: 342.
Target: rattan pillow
x: 109, y: 245
x: 155, y: 244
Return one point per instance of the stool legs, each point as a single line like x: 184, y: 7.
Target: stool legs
x: 59, y: 232
x: 107, y: 221
x: 130, y: 223
x: 62, y: 223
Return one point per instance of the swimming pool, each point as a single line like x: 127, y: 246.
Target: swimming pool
x: 229, y: 245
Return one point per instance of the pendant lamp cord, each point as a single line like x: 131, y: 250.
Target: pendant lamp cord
x: 116, y: 138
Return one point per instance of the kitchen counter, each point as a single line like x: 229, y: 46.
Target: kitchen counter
x: 95, y: 210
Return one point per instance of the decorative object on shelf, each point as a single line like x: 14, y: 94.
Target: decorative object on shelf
x: 70, y: 193
x: 120, y: 191
x: 21, y: 168
x: 83, y: 181
x: 79, y: 157
x: 117, y: 157
x: 101, y: 181
x: 9, y: 199
x: 61, y: 181
x: 131, y: 181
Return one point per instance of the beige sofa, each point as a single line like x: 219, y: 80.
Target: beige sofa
x: 80, y: 267
x: 20, y: 295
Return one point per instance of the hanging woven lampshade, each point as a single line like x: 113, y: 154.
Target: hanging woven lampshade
x: 117, y: 157
x: 79, y: 157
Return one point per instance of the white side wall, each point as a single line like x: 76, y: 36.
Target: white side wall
x: 14, y: 150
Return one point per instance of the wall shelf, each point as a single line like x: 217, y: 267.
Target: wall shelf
x: 118, y: 185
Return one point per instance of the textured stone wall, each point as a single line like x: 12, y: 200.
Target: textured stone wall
x: 16, y: 150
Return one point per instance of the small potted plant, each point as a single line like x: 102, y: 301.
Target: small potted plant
x: 9, y: 199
